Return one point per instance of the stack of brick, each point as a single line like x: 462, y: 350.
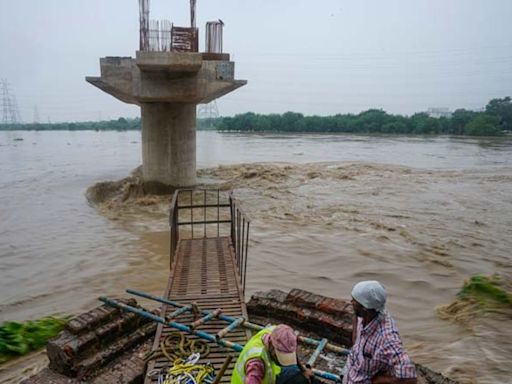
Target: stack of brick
x: 95, y: 338
x: 332, y: 318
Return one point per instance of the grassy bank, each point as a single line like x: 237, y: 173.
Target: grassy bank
x: 18, y: 339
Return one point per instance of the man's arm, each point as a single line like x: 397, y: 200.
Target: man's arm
x: 403, y: 370
x: 254, y: 371
x: 354, y: 329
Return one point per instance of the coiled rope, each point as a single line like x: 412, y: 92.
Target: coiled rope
x: 177, y: 346
x: 188, y: 372
x: 183, y: 355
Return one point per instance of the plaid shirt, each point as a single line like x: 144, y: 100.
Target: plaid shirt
x: 377, y: 350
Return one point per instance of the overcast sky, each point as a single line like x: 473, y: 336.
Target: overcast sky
x: 315, y: 57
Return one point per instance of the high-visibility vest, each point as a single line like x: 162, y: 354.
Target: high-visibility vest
x: 255, y: 349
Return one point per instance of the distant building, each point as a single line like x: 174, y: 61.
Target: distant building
x: 439, y: 112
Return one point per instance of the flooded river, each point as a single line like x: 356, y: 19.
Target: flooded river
x: 419, y: 214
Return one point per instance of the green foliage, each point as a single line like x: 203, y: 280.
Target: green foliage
x: 462, y: 122
x: 483, y: 125
x: 496, y: 118
x: 502, y: 109
x: 121, y: 124
x: 487, y: 291
x: 460, y: 118
x: 18, y: 339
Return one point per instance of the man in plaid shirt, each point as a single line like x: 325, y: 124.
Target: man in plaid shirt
x: 377, y: 355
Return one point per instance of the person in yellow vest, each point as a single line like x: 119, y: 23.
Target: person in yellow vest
x: 264, y: 355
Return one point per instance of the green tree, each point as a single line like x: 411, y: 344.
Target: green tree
x: 501, y: 108
x: 483, y: 125
x: 460, y: 118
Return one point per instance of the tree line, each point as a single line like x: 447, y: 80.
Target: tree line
x: 121, y: 124
x: 495, y: 120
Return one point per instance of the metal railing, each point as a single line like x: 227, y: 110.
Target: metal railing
x: 240, y: 224
x: 193, y: 208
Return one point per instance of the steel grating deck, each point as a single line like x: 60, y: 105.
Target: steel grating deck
x: 204, y: 272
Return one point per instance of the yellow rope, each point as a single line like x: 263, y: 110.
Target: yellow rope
x: 180, y: 371
x: 176, y: 348
x: 177, y: 345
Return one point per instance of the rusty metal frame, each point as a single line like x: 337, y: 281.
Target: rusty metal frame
x: 239, y: 224
x: 184, y: 39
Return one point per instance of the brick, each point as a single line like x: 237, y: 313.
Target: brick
x: 332, y: 318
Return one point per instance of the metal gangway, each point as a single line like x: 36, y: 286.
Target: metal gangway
x: 209, y: 234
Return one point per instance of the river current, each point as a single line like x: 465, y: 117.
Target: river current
x: 420, y: 214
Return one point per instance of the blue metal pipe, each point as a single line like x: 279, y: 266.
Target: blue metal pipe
x: 317, y: 351
x: 178, y: 312
x: 229, y: 328
x: 330, y: 347
x: 327, y: 375
x: 201, y: 334
x: 172, y: 324
x: 178, y: 305
x: 206, y: 318
x: 307, y: 340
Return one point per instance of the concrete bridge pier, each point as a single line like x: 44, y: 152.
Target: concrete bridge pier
x: 168, y: 145
x: 167, y: 86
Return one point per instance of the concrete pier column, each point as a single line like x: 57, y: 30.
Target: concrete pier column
x: 168, y: 86
x: 168, y: 145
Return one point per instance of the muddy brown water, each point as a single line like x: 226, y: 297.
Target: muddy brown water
x: 419, y: 214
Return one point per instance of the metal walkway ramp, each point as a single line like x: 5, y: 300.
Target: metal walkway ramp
x: 204, y: 298
x: 209, y: 235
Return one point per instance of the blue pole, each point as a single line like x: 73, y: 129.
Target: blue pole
x: 307, y: 340
x: 178, y: 305
x: 178, y: 312
x: 203, y: 320
x: 172, y: 324
x: 317, y: 351
x: 201, y: 334
x: 229, y: 328
x: 327, y: 375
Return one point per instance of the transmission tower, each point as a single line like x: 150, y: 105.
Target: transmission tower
x: 208, y: 113
x: 36, y: 115
x: 10, y: 110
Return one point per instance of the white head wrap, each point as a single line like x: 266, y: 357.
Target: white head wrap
x: 370, y: 294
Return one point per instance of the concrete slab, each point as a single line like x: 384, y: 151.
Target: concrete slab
x: 169, y: 61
